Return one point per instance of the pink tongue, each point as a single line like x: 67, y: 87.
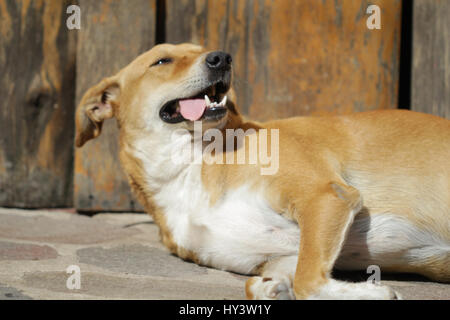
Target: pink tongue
x: 192, y: 109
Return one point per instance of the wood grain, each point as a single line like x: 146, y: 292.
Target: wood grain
x: 113, y: 33
x: 431, y: 57
x: 37, y: 67
x: 298, y: 57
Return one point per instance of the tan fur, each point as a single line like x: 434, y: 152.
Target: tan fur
x: 387, y: 161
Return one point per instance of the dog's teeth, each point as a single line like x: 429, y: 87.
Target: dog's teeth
x: 208, y: 102
x: 223, y: 102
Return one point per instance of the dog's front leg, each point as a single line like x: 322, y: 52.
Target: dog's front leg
x: 274, y: 281
x: 324, y: 222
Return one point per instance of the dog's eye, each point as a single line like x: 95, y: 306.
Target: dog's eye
x: 162, y: 61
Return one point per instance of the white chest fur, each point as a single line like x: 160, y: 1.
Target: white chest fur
x: 238, y: 233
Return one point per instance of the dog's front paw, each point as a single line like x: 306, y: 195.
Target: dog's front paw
x: 259, y: 288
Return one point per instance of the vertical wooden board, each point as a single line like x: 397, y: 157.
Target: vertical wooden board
x: 298, y: 57
x: 37, y: 67
x: 431, y: 57
x: 112, y: 34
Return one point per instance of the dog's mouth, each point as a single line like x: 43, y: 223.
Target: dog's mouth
x: 209, y: 104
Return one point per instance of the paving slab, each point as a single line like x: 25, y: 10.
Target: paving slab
x: 140, y: 260
x: 68, y: 228
x: 120, y: 256
x: 8, y: 293
x: 25, y: 251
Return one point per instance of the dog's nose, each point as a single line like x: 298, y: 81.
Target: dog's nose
x: 218, y: 60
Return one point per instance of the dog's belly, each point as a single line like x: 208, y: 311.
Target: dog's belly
x: 238, y: 233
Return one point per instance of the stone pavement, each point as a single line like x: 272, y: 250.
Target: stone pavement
x: 120, y: 257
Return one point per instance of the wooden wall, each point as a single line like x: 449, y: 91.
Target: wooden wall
x: 37, y: 76
x: 291, y: 57
x: 298, y: 57
x: 431, y: 57
x: 113, y: 33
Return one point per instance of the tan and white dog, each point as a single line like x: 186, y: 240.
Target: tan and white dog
x: 370, y: 188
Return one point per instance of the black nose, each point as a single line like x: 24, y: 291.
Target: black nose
x: 218, y: 60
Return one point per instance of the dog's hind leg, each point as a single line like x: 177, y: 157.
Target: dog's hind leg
x: 324, y: 223
x: 395, y: 244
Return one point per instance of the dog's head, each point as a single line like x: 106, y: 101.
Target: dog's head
x: 168, y: 87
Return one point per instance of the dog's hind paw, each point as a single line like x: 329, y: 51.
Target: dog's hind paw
x: 354, y: 291
x: 259, y: 288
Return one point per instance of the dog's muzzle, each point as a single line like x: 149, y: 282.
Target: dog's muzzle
x: 208, y: 104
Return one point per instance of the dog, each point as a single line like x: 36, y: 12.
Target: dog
x: 350, y: 191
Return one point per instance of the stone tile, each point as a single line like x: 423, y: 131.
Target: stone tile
x: 140, y: 260
x: 132, y: 265
x: 24, y: 251
x: 8, y: 293
x: 421, y: 290
x: 74, y: 229
x: 112, y: 287
x: 125, y: 219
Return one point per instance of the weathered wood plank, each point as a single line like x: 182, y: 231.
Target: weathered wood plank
x: 298, y: 57
x: 37, y: 67
x: 431, y: 57
x: 112, y: 34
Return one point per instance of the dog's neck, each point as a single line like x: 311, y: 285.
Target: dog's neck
x: 157, y: 157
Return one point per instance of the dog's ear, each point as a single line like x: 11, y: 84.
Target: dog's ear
x: 97, y: 105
